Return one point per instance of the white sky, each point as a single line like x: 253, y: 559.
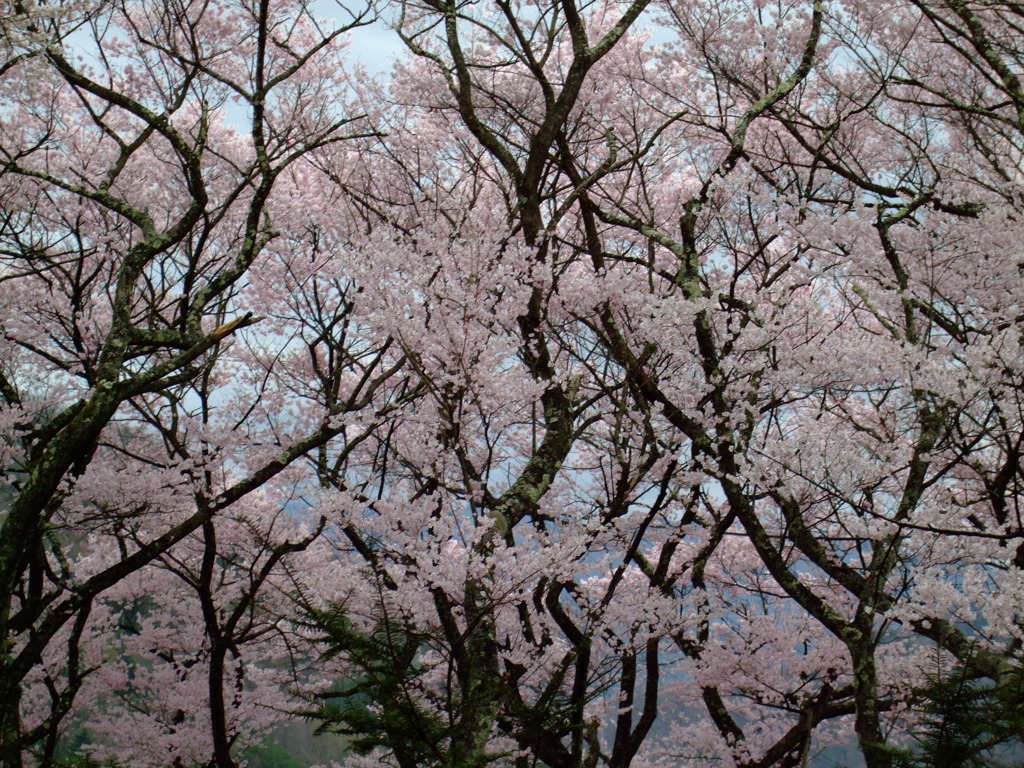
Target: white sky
x: 375, y: 47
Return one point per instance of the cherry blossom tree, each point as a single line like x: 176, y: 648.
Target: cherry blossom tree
x: 768, y: 239
x: 150, y: 156
x: 616, y: 384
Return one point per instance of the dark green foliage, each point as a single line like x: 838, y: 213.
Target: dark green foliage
x: 69, y: 755
x: 269, y: 754
x: 966, y: 721
x: 84, y: 761
x: 381, y: 706
x: 69, y: 751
